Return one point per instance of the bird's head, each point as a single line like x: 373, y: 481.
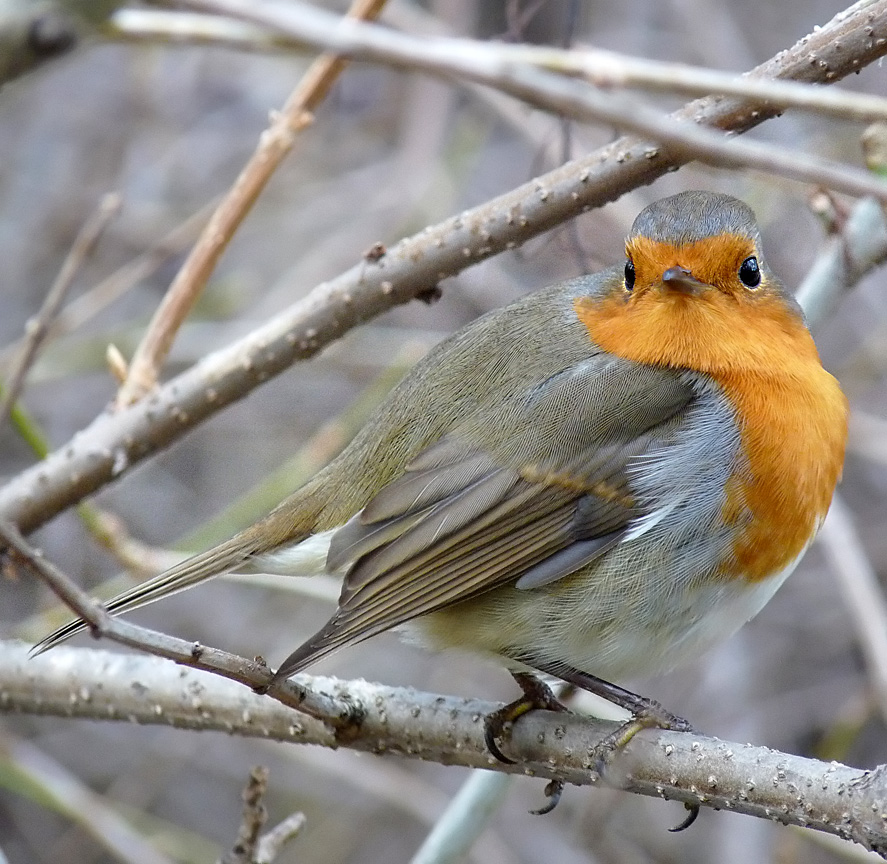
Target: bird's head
x: 695, y: 291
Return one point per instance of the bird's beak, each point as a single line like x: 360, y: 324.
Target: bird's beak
x: 681, y: 279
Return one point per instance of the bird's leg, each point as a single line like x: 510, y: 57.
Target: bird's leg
x: 646, y: 714
x: 537, y: 694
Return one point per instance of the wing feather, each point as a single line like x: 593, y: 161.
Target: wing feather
x: 531, y: 504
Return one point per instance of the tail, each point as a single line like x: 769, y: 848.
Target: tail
x: 194, y: 570
x: 286, y: 525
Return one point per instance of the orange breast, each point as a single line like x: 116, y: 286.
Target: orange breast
x: 791, y: 413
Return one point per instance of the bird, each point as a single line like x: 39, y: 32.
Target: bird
x: 598, y: 481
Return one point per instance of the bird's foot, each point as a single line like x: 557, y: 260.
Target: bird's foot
x: 498, y: 725
x: 651, y: 715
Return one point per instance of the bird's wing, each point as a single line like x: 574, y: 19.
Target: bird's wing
x: 544, y: 495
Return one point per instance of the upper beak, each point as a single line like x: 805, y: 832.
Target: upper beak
x: 681, y: 279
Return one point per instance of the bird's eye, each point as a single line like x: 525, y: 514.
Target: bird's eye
x: 629, y: 276
x: 750, y: 273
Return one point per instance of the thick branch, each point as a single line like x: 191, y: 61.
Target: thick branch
x: 114, y: 443
x: 99, y: 685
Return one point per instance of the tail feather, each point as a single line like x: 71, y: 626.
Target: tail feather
x: 307, y: 654
x: 194, y: 570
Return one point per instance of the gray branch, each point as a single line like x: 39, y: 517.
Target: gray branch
x: 99, y: 685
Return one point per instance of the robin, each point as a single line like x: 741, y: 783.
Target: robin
x: 598, y: 481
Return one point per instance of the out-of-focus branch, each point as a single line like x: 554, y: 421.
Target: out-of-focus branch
x: 111, y: 288
x: 859, y: 246
x: 66, y: 793
x: 38, y: 327
x: 830, y: 797
x: 536, y: 84
x: 274, y: 145
x: 862, y: 593
x: 311, y: 27
x: 114, y: 443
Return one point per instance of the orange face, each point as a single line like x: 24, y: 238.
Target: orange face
x: 712, y: 322
x: 715, y: 261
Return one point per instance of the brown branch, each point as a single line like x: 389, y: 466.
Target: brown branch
x: 114, y: 443
x: 92, y: 684
x: 253, y: 846
x: 255, y: 815
x: 273, y: 147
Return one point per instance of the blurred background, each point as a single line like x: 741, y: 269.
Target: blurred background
x: 168, y: 127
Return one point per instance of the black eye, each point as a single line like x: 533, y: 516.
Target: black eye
x: 750, y: 273
x: 629, y: 276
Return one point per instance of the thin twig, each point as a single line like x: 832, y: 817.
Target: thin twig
x: 758, y: 781
x: 38, y: 327
x: 274, y: 145
x: 114, y: 443
x: 551, y: 91
x: 253, y: 673
x: 862, y: 593
x: 271, y: 843
x: 153, y: 25
x: 92, y: 301
x: 255, y: 815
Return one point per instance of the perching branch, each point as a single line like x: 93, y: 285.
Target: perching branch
x: 254, y: 674
x: 114, y: 443
x: 97, y: 685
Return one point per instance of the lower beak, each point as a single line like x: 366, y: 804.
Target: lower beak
x: 681, y: 279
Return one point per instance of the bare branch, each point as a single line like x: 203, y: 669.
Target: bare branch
x: 254, y: 817
x: 467, y: 815
x: 860, y: 246
x: 79, y: 803
x: 271, y: 843
x: 114, y: 443
x: 71, y: 682
x: 38, y: 328
x: 862, y: 593
x: 605, y: 69
x: 548, y: 90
